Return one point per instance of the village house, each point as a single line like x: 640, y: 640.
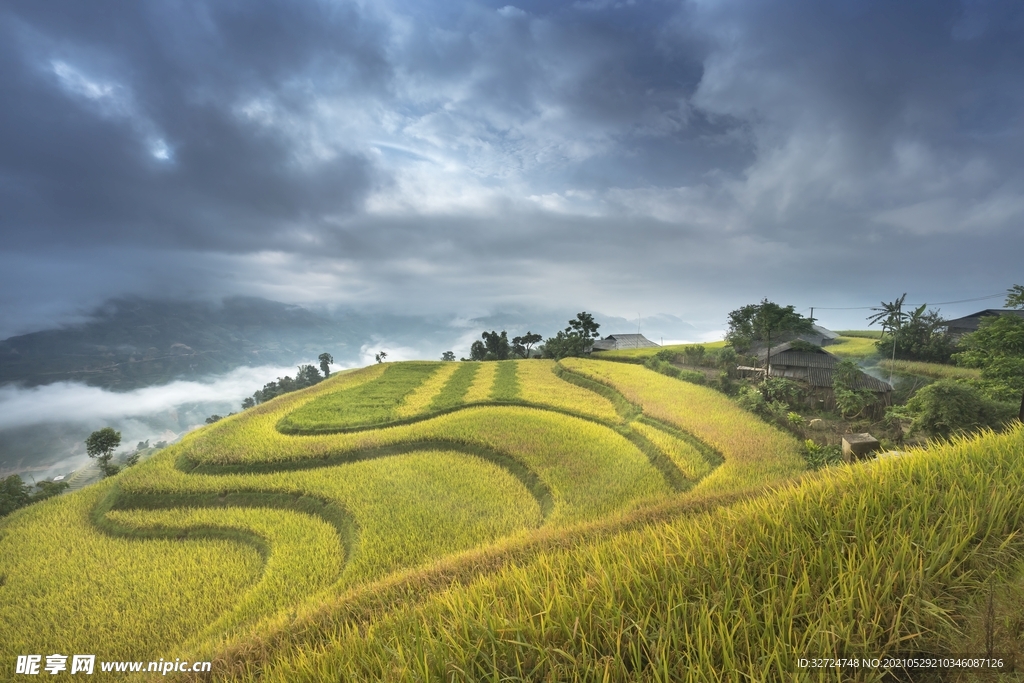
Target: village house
x: 815, y: 368
x: 618, y: 342
x: 969, y: 323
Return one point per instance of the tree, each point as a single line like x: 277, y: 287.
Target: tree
x: 49, y: 489
x: 248, y: 403
x: 997, y: 348
x: 563, y: 345
x: 890, y: 316
x: 583, y: 325
x: 307, y: 376
x: 1015, y: 297
x: 764, y: 322
x: 101, y: 445
x: 380, y: 357
x: 326, y: 360
x: 448, y: 356
x: 918, y: 335
x: 478, y: 351
x: 575, y: 340
x: 496, y: 345
x: 521, y: 345
x: 14, y: 494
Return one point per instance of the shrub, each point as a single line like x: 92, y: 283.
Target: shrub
x: 660, y: 366
x: 752, y: 398
x: 822, y: 456
x: 694, y: 355
x: 948, y: 407
x: 782, y: 390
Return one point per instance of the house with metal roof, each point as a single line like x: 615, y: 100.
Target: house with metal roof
x: 616, y: 342
x: 814, y: 367
x: 969, y: 323
x: 819, y: 335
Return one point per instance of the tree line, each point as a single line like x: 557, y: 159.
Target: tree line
x: 575, y: 340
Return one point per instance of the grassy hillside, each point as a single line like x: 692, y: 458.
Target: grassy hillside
x: 644, y: 354
x: 853, y: 347
x: 413, y: 521
x: 865, y: 334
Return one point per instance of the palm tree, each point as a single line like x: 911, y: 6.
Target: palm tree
x: 891, y: 317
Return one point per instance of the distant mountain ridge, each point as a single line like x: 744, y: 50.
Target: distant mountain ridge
x: 131, y: 343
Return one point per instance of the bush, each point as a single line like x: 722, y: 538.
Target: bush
x: 660, y: 366
x: 667, y: 356
x: 751, y: 398
x: 821, y: 456
x: 850, y: 401
x: 782, y: 390
x: 694, y: 355
x: 948, y: 407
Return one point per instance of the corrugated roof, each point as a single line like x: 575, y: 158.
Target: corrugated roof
x: 817, y: 358
x: 623, y: 341
x: 805, y: 359
x: 970, y: 322
x: 815, y: 367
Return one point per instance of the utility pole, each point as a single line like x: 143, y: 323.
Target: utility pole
x: 637, y: 343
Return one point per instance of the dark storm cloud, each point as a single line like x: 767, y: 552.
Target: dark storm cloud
x: 684, y: 156
x: 121, y: 122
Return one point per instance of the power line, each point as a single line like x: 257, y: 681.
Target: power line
x: 937, y: 303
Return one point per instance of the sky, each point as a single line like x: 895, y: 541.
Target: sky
x: 633, y: 158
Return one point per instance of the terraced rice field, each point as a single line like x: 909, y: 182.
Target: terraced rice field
x: 857, y: 562
x: 392, y: 468
x: 753, y: 451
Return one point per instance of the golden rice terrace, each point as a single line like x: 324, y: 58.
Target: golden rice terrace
x: 414, y: 521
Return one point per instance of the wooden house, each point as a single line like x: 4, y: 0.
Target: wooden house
x: 815, y: 369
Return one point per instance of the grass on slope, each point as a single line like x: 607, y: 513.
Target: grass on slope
x: 506, y: 384
x: 590, y: 469
x: 396, y: 497
x: 860, y: 562
x: 483, y: 382
x: 755, y: 452
x: 422, y: 398
x: 540, y: 385
x: 936, y: 370
x: 67, y: 587
x: 407, y: 508
x: 361, y: 406
x: 305, y: 555
x: 690, y: 461
x: 853, y: 348
x: 453, y: 393
x: 640, y: 355
x: 866, y: 334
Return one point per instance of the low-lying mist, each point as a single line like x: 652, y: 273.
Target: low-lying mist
x: 43, y: 429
